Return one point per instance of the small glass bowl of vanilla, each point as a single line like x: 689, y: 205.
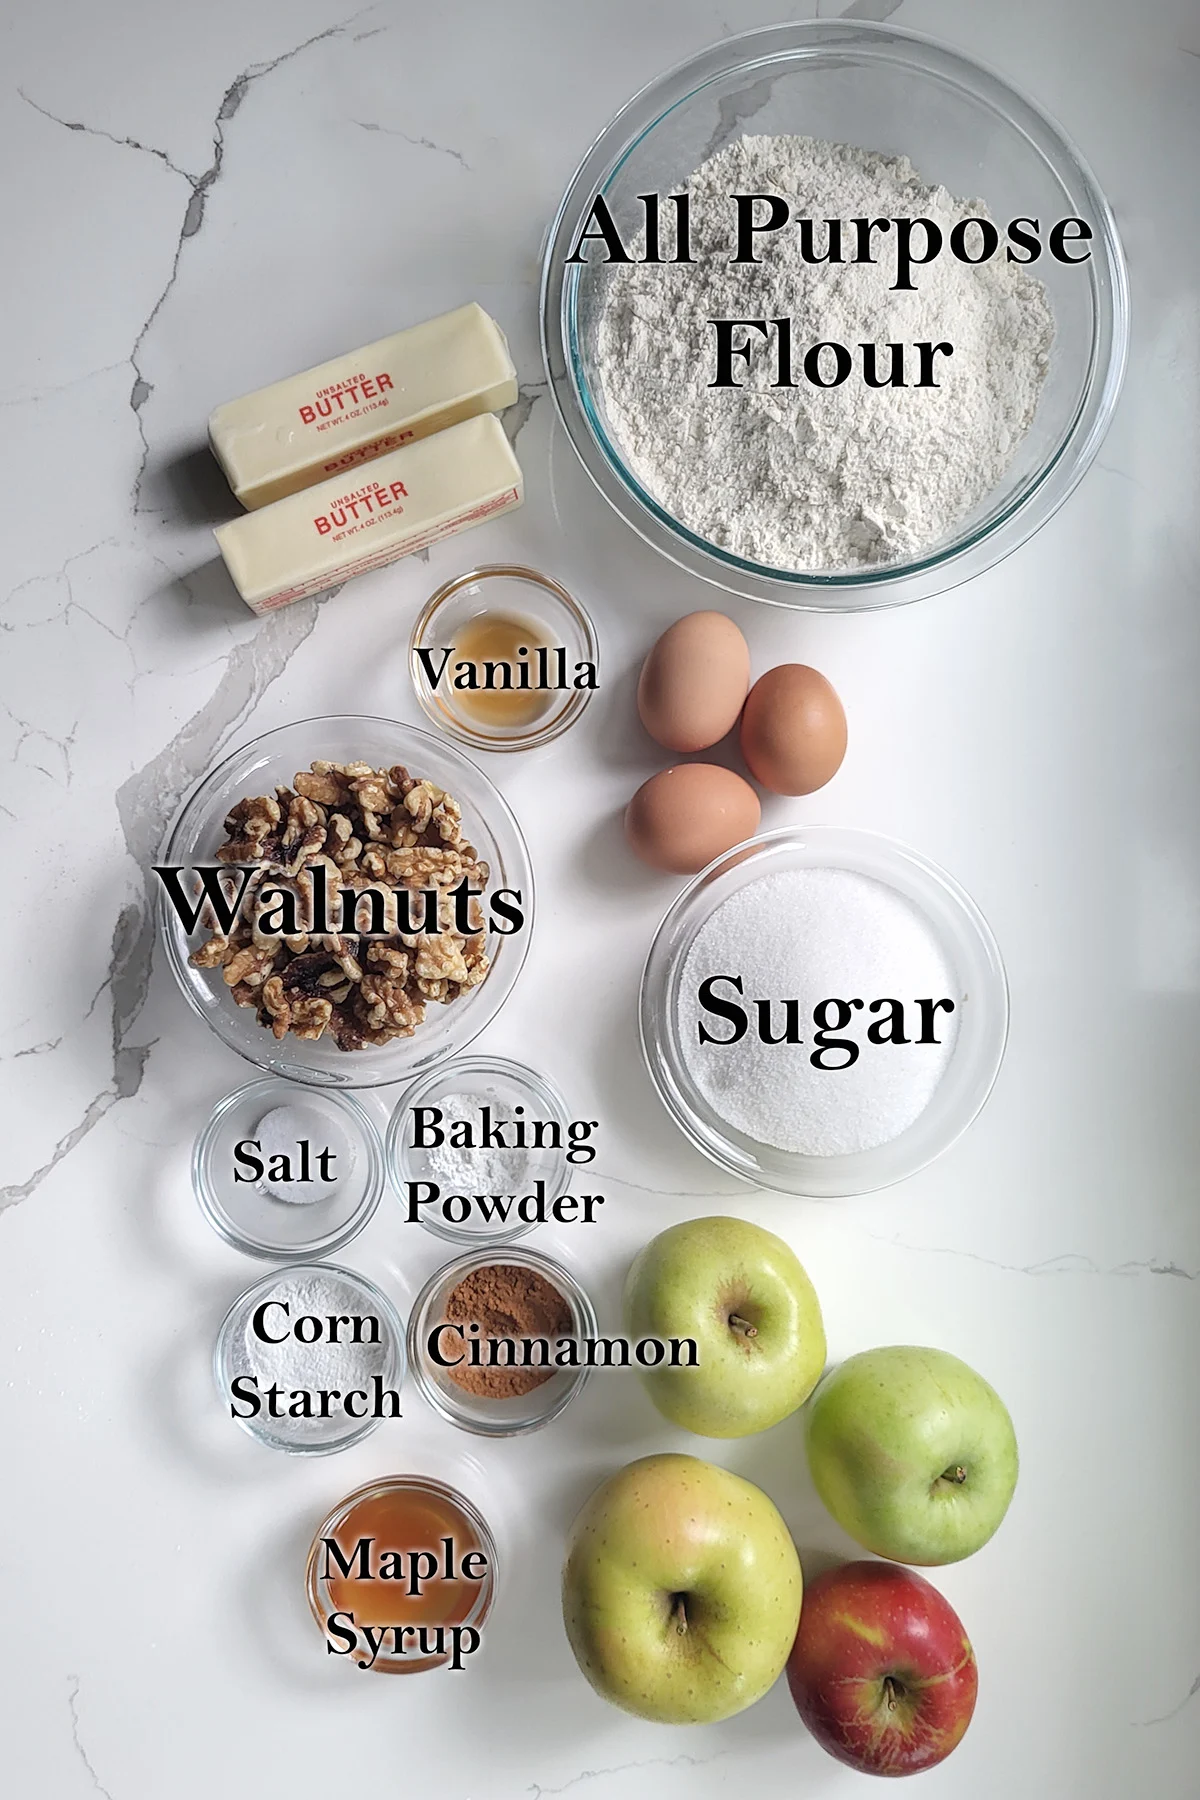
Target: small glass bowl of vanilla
x: 503, y: 658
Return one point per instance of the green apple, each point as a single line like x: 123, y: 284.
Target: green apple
x: 913, y: 1453
x: 681, y: 1591
x: 743, y: 1296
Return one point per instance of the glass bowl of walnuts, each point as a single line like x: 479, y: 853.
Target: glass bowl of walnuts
x: 346, y: 901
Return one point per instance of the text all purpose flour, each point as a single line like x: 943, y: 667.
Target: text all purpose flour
x: 809, y: 477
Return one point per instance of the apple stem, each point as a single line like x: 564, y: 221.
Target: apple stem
x: 957, y: 1475
x: 679, y: 1615
x: 743, y: 1325
x: 892, y: 1691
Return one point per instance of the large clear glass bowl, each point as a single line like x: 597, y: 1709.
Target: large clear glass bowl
x: 275, y: 758
x: 881, y: 89
x: 981, y: 997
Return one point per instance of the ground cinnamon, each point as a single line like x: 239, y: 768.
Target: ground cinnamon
x: 506, y: 1301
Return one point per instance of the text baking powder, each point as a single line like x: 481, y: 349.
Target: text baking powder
x: 811, y: 478
x: 295, y: 1365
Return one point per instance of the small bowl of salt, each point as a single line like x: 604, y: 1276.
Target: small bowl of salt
x: 479, y: 1151
x: 287, y: 1173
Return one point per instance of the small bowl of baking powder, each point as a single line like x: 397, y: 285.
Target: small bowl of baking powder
x: 481, y: 1150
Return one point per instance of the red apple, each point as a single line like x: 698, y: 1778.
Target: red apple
x: 882, y: 1672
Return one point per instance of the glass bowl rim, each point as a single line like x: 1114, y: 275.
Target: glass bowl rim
x: 540, y: 732
x: 205, y: 1190
x: 372, y: 1291
x: 568, y: 1284
x: 966, y: 555
x: 170, y: 931
x: 794, y: 1171
x: 540, y: 1087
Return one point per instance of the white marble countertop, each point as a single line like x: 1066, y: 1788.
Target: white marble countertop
x: 195, y: 198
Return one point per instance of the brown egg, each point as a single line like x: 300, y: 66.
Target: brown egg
x: 679, y: 820
x: 793, y: 730
x: 694, y: 681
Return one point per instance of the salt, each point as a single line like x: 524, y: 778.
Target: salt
x: 279, y: 1133
x: 814, y: 934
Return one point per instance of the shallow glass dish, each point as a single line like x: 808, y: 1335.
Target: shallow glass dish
x: 515, y: 1086
x: 881, y: 89
x: 275, y: 758
x: 306, y: 1437
x: 496, y: 1418
x: 424, y: 1492
x: 247, y: 1214
x: 557, y: 619
x: 982, y: 1011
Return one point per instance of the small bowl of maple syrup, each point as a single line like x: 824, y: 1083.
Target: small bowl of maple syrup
x: 401, y: 1576
x: 503, y: 658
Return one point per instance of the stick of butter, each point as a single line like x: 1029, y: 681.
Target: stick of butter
x: 314, y: 426
x: 404, y: 501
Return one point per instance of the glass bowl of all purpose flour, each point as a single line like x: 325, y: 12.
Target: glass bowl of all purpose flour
x: 489, y: 832
x: 823, y: 1011
x: 891, y: 468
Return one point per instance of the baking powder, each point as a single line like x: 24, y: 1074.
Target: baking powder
x: 484, y: 1169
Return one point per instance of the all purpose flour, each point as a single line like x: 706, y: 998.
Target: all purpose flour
x: 821, y: 478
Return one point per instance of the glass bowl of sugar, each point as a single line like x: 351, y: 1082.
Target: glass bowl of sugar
x: 827, y: 466
x: 823, y: 1011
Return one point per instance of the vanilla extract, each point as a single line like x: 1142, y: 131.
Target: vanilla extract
x: 504, y: 671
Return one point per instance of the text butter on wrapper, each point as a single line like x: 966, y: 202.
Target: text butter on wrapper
x: 399, y: 504
x: 314, y: 426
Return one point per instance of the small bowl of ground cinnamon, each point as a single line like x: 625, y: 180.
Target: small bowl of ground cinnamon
x: 500, y: 1341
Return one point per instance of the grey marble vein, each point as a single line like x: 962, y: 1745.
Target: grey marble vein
x: 60, y: 387
x: 516, y: 417
x: 683, y: 1761
x: 1163, y: 1718
x: 875, y: 10
x: 85, y: 1759
x: 638, y: 1187
x: 98, y: 131
x: 419, y: 143
x: 734, y: 110
x: 1069, y: 1263
x: 145, y: 804
x: 193, y: 217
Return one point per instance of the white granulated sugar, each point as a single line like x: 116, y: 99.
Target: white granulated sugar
x: 821, y: 478
x: 813, y: 935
